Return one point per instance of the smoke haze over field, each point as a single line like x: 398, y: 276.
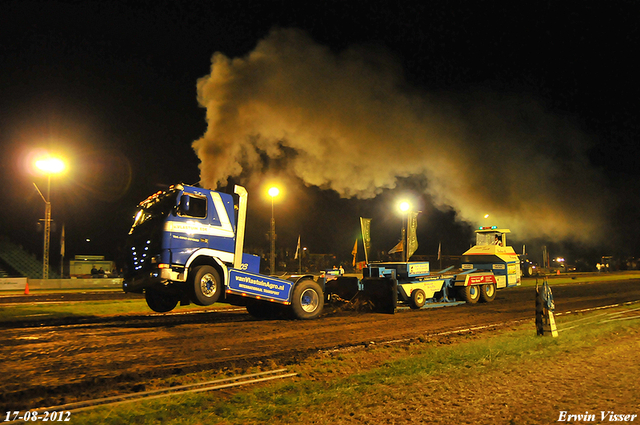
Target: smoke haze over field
x: 349, y: 122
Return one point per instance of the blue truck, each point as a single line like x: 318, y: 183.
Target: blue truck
x: 186, y: 246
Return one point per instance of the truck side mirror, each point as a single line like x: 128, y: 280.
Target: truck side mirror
x: 183, y: 208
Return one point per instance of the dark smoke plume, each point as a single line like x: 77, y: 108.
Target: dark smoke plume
x: 480, y: 153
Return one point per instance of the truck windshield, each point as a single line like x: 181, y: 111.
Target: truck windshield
x: 485, y: 238
x: 157, y: 205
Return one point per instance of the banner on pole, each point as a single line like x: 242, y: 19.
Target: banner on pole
x: 398, y: 248
x: 62, y: 242
x: 297, y: 249
x: 354, y: 252
x: 365, y: 225
x: 412, y: 238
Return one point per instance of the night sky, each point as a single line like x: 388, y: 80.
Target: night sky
x: 523, y: 110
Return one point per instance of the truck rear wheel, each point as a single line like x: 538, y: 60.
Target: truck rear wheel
x: 160, y: 301
x: 308, y: 300
x: 206, y: 285
x: 418, y: 298
x: 527, y: 270
x: 470, y: 294
x: 488, y: 292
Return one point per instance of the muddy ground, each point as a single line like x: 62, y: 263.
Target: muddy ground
x: 47, y: 364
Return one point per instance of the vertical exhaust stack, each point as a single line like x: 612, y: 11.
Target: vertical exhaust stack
x: 242, y: 220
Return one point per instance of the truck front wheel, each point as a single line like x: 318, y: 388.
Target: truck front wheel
x: 206, y: 285
x: 470, y: 294
x: 488, y: 292
x: 160, y: 301
x: 308, y: 300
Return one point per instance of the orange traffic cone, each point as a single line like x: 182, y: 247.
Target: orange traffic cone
x: 558, y: 273
x: 26, y: 288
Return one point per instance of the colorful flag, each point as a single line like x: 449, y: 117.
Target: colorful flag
x: 412, y: 238
x: 354, y: 252
x: 62, y: 242
x: 398, y: 248
x: 365, y: 225
x: 297, y: 249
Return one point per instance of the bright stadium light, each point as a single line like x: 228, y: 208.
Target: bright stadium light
x: 273, y: 192
x: 49, y: 165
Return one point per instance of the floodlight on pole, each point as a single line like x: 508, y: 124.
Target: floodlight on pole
x: 405, y: 206
x: 49, y: 165
x: 273, y: 192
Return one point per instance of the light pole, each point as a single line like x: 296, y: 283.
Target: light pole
x: 273, y: 192
x: 49, y: 165
x: 404, y: 207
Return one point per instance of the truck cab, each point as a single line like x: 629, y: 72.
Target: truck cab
x: 186, y: 245
x: 170, y: 226
x: 491, y: 253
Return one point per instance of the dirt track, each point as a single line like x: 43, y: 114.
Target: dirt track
x: 50, y: 365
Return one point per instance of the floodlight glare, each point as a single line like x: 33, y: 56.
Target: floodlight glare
x: 50, y: 165
x: 274, y: 191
